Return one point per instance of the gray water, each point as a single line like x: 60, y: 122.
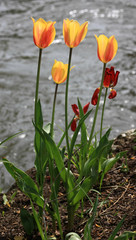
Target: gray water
x: 18, y: 66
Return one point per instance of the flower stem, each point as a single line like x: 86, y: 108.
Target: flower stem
x: 53, y: 110
x: 97, y: 107
x: 106, y: 90
x: 66, y: 102
x: 37, y: 82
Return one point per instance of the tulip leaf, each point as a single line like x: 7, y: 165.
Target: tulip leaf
x: 12, y: 136
x: 112, y: 236
x: 28, y: 221
x: 108, y: 164
x: 53, y: 152
x: 89, y: 225
x: 24, y: 182
x: 64, y: 134
x: 40, y: 148
x: 98, y: 155
x: 83, y: 190
x: 39, y: 124
x: 83, y: 135
x: 77, y: 130
x: 126, y: 236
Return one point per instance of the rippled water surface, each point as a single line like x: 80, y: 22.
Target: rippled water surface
x: 18, y: 65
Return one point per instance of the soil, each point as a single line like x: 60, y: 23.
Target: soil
x: 118, y: 198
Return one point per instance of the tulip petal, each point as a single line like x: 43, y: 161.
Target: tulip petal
x: 75, y: 109
x: 102, y: 42
x: 111, y: 49
x: 112, y: 94
x: 107, y: 78
x: 85, y: 108
x: 73, y: 125
x: 82, y: 33
x: 116, y: 78
x: 95, y: 96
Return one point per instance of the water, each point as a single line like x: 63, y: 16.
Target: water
x: 18, y: 64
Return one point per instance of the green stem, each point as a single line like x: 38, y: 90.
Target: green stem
x: 66, y: 103
x: 39, y: 226
x: 37, y: 82
x: 64, y: 134
x: 97, y: 107
x: 105, y: 96
x: 53, y: 110
x: 40, y: 179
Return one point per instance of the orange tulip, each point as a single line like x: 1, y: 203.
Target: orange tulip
x: 59, y: 72
x: 107, y: 48
x: 43, y: 33
x: 73, y: 32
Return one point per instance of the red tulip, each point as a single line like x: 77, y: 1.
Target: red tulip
x: 76, y: 111
x: 110, y: 78
x: 110, y: 81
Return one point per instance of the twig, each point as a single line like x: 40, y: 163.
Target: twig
x: 122, y: 195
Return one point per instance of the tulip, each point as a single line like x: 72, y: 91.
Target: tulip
x: 59, y: 72
x: 43, y: 33
x: 107, y: 48
x: 76, y: 111
x: 73, y: 32
x: 110, y: 81
x: 110, y: 77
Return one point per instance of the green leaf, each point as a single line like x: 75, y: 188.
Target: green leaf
x: 40, y: 148
x: 24, y: 182
x: 39, y: 124
x: 64, y: 134
x: 47, y: 128
x: 83, y: 189
x: 72, y: 236
x: 83, y: 136
x: 108, y: 164
x: 98, y: 155
x: 77, y: 130
x: 28, y: 221
x: 12, y: 136
x: 54, y: 154
x: 43, y: 237
x: 126, y: 236
x: 112, y: 236
x: 39, y: 116
x: 89, y: 225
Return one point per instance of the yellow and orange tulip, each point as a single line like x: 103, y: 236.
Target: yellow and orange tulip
x: 73, y: 32
x: 59, y: 72
x: 106, y: 48
x: 43, y: 33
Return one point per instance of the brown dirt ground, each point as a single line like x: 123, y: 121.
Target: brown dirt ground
x: 118, y: 198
